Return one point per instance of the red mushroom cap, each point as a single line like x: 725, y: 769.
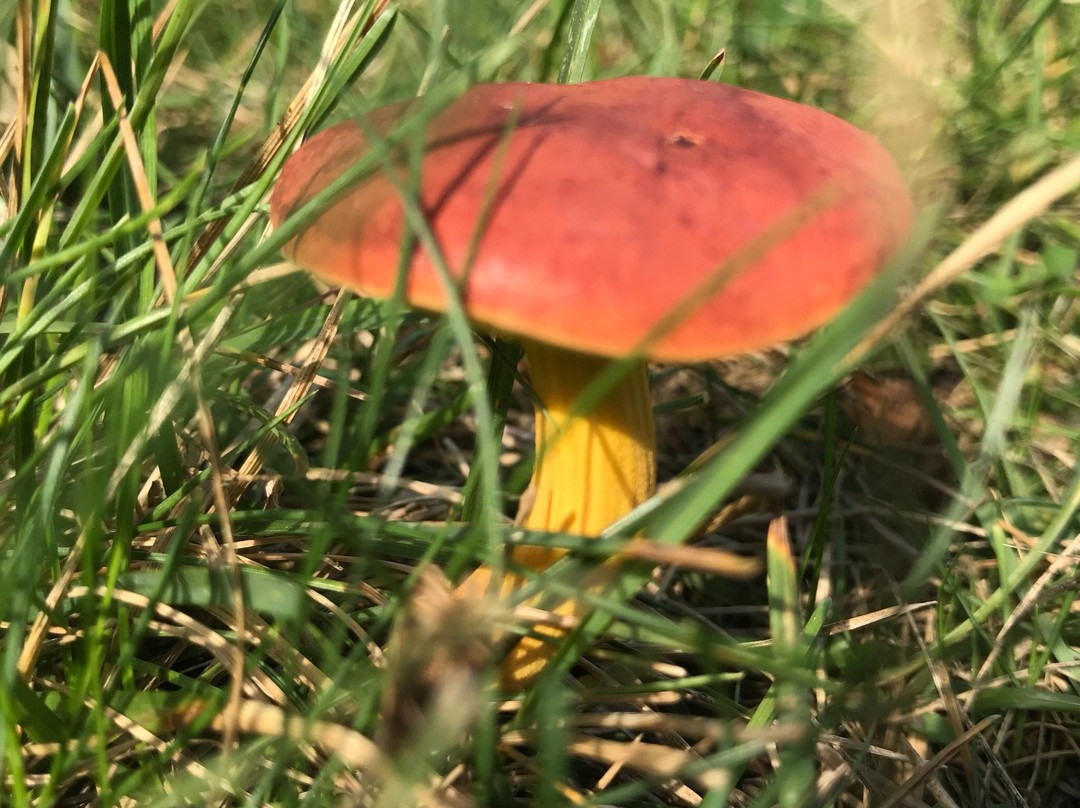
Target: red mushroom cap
x: 613, y: 202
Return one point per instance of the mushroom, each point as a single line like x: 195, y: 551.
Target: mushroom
x: 605, y: 207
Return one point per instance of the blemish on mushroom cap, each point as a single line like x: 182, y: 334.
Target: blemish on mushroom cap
x: 588, y: 244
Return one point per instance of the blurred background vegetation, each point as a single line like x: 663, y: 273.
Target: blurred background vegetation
x: 218, y: 487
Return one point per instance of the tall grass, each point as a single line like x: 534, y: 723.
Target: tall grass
x: 221, y: 486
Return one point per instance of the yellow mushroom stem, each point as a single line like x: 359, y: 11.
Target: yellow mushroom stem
x: 591, y: 470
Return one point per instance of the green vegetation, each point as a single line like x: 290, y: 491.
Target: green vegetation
x: 220, y: 486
